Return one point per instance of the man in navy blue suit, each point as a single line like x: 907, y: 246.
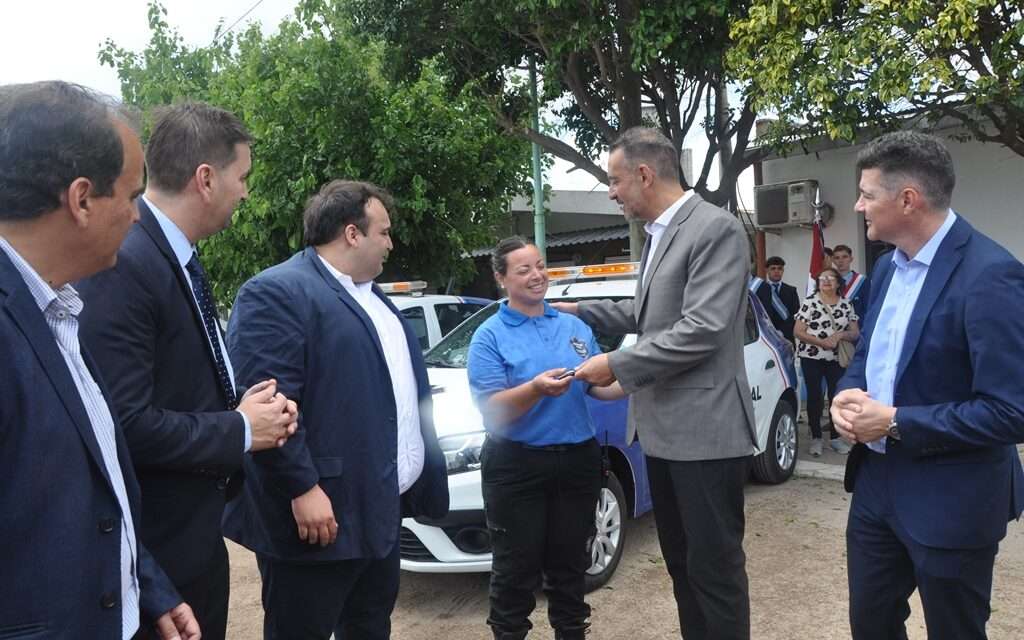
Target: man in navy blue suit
x: 932, y: 397
x: 322, y: 512
x: 151, y: 323
x: 72, y: 564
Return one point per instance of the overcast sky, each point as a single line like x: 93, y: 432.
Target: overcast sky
x: 60, y: 40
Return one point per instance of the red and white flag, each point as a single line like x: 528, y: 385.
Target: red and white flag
x: 817, y: 252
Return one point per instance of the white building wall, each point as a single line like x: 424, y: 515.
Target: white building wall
x: 989, y: 194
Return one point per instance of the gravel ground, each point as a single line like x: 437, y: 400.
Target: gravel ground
x: 795, y: 560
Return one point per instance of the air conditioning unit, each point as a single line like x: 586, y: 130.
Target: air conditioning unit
x: 785, y: 204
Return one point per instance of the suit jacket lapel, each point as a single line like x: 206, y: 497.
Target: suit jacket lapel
x: 23, y: 310
x: 885, y: 277
x: 669, y: 234
x: 149, y: 224
x: 311, y: 255
x: 946, y: 260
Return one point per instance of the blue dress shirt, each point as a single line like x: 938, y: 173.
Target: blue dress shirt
x: 893, y: 318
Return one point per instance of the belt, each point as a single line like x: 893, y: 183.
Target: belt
x: 539, y: 447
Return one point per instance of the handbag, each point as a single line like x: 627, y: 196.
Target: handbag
x: 844, y: 351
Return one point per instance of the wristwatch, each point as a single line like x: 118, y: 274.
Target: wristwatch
x: 893, y: 430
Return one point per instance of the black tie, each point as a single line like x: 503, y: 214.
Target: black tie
x: 208, y: 309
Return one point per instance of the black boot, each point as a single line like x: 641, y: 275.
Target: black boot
x: 573, y: 633
x: 509, y: 635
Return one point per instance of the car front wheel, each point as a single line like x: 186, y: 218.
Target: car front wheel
x: 776, y: 463
x: 610, y: 537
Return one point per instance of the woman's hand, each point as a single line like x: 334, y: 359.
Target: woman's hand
x: 548, y: 384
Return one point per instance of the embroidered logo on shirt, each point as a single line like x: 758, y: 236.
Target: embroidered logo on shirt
x: 579, y: 347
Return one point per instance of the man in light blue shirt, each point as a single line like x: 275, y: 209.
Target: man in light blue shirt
x: 932, y: 397
x: 151, y: 322
x: 72, y: 565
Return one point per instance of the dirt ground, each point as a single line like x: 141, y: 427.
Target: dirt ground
x: 795, y: 561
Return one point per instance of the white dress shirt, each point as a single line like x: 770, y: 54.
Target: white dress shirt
x: 183, y: 251
x: 410, y: 451
x: 894, y: 317
x: 61, y: 309
x: 656, y: 228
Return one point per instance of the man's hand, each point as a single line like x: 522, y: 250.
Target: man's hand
x: 314, y: 517
x: 178, y: 624
x: 596, y: 371
x: 272, y: 417
x: 859, y: 417
x: 548, y: 383
x: 565, y: 307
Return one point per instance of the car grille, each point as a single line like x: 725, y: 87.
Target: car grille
x: 410, y: 547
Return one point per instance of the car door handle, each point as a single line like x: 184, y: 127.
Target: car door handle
x: 769, y: 365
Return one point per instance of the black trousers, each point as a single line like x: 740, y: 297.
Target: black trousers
x: 352, y: 599
x: 539, y: 505
x: 885, y: 565
x: 698, y: 509
x: 208, y: 596
x: 814, y: 372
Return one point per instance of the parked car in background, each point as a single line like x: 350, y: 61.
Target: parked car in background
x: 432, y: 316
x: 460, y: 541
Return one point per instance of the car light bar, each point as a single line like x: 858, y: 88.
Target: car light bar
x: 402, y: 287
x: 584, y: 272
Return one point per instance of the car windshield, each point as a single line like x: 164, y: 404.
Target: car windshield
x: 452, y: 351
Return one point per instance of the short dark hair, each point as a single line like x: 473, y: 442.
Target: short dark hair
x: 912, y: 155
x: 52, y: 133
x: 775, y: 261
x: 505, y: 246
x: 827, y: 251
x: 649, y: 146
x: 842, y: 247
x: 339, y: 204
x: 187, y: 135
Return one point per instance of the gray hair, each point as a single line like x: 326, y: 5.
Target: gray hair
x: 649, y: 146
x: 52, y: 133
x: 921, y: 158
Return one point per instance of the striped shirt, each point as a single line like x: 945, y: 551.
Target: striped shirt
x: 61, y: 309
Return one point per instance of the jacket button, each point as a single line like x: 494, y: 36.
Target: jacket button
x: 107, y: 601
x: 107, y: 525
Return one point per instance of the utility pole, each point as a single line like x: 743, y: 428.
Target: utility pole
x: 539, y: 223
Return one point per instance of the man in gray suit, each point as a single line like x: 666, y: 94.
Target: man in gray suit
x: 690, y: 401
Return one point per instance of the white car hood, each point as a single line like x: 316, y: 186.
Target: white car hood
x: 454, y: 410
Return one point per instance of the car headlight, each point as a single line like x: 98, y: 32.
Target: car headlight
x: 462, y: 452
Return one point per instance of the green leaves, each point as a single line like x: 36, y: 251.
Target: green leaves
x: 319, y: 108
x: 842, y: 66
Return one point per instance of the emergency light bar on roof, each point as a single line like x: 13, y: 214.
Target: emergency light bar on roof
x: 402, y: 287
x: 558, y: 274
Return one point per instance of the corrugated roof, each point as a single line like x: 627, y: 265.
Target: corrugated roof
x: 569, y: 238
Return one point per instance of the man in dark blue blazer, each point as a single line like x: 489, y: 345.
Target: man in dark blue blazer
x: 323, y: 512
x: 151, y: 323
x: 72, y: 564
x: 780, y: 300
x: 933, y: 399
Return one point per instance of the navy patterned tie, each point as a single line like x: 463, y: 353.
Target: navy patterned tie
x: 208, y: 309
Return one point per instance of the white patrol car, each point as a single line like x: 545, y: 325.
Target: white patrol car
x: 459, y: 542
x: 431, y: 316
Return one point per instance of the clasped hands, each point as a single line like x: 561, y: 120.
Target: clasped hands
x: 273, y: 418
x: 860, y: 418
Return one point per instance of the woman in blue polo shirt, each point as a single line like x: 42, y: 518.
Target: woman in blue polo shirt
x: 541, y: 465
